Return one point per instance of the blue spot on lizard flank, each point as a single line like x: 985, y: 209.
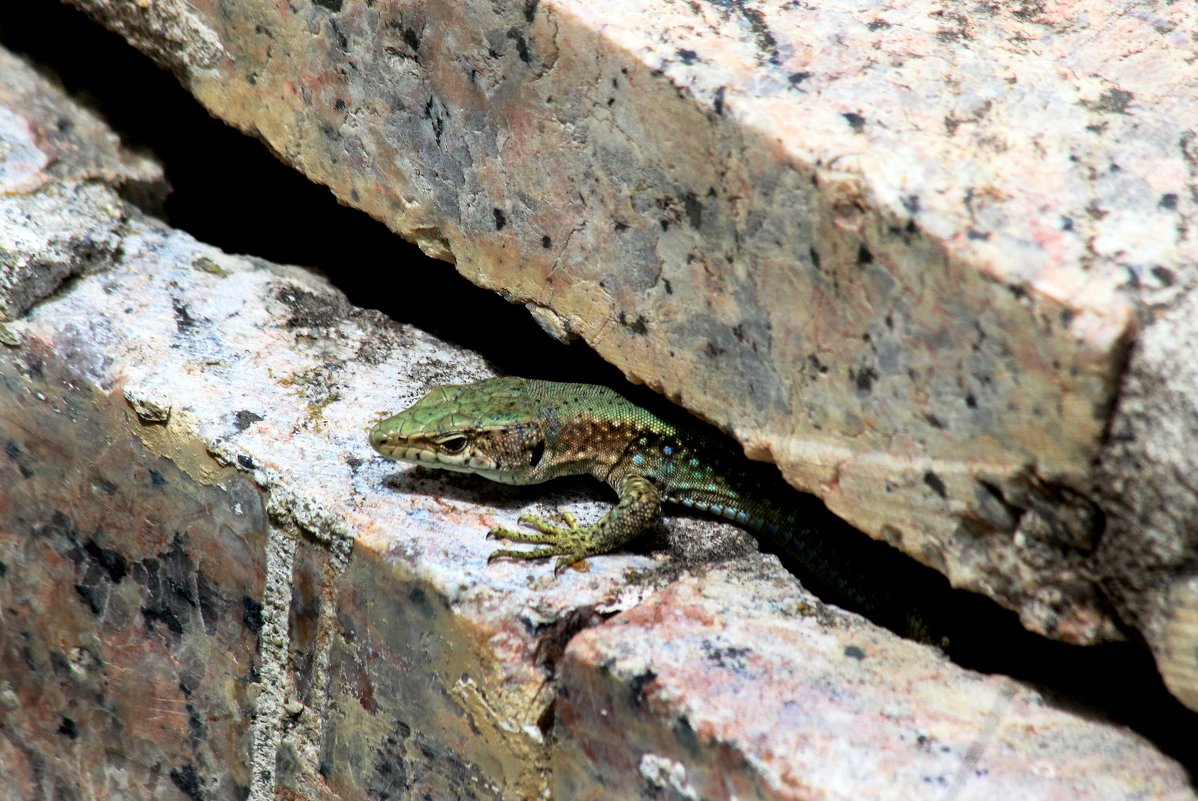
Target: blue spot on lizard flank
x: 638, y: 459
x: 668, y: 451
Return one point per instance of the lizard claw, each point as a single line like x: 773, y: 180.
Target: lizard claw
x: 566, y: 541
x: 567, y: 561
x: 545, y: 527
x: 564, y: 560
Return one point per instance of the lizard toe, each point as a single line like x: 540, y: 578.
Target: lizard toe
x: 569, y: 560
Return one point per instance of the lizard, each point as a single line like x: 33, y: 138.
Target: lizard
x: 523, y: 431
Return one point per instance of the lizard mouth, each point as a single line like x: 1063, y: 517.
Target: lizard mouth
x: 417, y: 452
x: 471, y: 465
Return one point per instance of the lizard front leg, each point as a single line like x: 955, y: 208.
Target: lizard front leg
x: 638, y: 509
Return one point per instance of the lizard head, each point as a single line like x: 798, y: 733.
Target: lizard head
x: 487, y: 428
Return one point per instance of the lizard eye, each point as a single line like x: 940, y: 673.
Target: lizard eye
x: 452, y: 444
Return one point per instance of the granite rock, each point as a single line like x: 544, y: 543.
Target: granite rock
x: 729, y: 686
x: 901, y: 250
x: 210, y: 587
x: 61, y: 172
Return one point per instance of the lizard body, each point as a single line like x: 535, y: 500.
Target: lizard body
x: 522, y: 431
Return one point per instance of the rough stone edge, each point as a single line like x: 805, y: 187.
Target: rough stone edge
x: 439, y: 248
x: 1146, y: 482
x: 63, y: 156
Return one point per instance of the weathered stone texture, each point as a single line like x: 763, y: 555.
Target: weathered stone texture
x: 181, y: 617
x: 60, y: 170
x: 274, y: 654
x: 900, y: 249
x: 715, y: 658
x: 140, y: 453
x: 211, y: 587
x: 130, y: 598
x: 1149, y: 489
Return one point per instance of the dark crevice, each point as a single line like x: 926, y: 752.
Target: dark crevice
x: 230, y: 191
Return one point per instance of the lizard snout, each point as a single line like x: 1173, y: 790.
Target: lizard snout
x: 379, y: 439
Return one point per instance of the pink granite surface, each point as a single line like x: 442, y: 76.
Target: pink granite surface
x: 901, y: 249
x: 210, y: 587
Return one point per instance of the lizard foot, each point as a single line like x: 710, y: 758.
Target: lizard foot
x: 569, y: 542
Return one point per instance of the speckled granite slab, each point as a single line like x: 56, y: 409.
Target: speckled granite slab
x: 211, y: 588
x: 907, y: 251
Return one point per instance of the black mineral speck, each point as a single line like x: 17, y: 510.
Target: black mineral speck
x: 686, y: 736
x: 638, y: 684
x: 188, y: 780
x: 1163, y: 275
x: 310, y: 309
x: 115, y: 565
x: 251, y: 614
x: 694, y: 209
x: 635, y: 326
x: 411, y: 39
x: 421, y: 601
x: 184, y: 322
x: 169, y: 580
x: 864, y: 379
x: 521, y: 45
x: 244, y: 419
x: 93, y: 595
x: 934, y: 481
x: 1113, y: 100
x: 855, y: 121
x: 195, y: 724
x: 718, y: 102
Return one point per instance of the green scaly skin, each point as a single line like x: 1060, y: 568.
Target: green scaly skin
x: 521, y: 431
